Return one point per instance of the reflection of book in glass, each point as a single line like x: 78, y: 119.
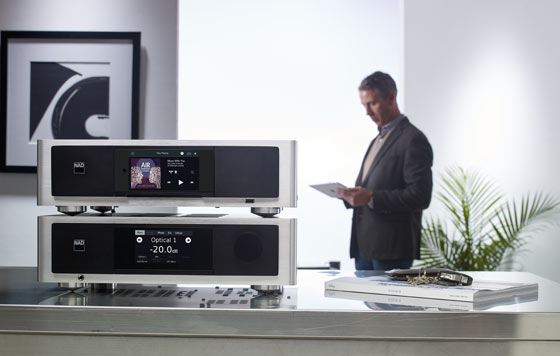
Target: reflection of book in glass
x: 145, y: 173
x: 398, y: 302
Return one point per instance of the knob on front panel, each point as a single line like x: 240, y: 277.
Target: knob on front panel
x: 248, y: 247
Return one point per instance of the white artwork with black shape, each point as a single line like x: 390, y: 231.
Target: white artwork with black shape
x: 69, y: 100
x: 66, y: 89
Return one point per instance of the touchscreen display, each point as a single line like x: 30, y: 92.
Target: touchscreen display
x: 164, y: 173
x: 173, y: 248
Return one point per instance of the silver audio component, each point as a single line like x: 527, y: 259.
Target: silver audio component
x: 167, y: 249
x: 73, y: 174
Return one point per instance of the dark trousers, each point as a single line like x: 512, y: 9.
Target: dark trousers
x: 363, y: 264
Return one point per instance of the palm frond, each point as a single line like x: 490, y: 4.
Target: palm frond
x: 487, y: 232
x: 518, y: 222
x: 436, y: 246
x: 469, y: 198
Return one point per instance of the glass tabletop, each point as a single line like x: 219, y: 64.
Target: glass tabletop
x: 18, y: 286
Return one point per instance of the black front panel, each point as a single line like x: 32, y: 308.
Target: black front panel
x: 82, y: 248
x: 164, y: 171
x: 242, y: 250
x: 247, y: 172
x: 82, y: 171
x: 246, y: 249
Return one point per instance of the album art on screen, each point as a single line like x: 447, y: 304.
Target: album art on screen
x: 145, y: 173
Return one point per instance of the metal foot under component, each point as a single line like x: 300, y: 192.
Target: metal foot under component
x: 266, y: 301
x: 72, y: 285
x: 104, y: 287
x: 266, y: 212
x: 72, y: 299
x: 103, y: 209
x: 72, y: 210
x: 268, y: 288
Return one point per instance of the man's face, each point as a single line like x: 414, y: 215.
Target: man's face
x: 377, y: 107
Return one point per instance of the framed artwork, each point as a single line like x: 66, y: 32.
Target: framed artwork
x: 65, y: 85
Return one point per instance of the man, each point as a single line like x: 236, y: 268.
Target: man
x: 394, y: 184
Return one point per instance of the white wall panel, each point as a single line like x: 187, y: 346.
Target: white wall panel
x: 482, y: 79
x: 290, y: 70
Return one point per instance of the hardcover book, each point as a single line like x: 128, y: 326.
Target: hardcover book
x: 480, y: 291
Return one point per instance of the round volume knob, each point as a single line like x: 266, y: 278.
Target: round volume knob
x: 248, y: 247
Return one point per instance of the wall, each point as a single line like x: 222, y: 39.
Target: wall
x: 157, y: 20
x: 481, y: 80
x: 290, y: 70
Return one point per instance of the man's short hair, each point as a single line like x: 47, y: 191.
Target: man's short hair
x: 382, y: 82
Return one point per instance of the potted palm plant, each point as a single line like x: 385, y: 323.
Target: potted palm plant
x: 482, y: 229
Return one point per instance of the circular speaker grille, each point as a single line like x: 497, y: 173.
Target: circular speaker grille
x: 248, y: 247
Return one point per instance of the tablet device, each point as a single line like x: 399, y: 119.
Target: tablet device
x: 328, y: 188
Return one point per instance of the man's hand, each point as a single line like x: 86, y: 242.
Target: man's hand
x: 358, y: 196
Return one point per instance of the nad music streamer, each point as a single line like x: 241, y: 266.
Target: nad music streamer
x: 179, y: 171
x: 202, y: 246
x: 99, y: 174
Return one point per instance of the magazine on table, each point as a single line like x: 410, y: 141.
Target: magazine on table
x: 480, y: 291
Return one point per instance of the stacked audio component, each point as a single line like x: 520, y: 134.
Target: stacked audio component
x: 76, y: 248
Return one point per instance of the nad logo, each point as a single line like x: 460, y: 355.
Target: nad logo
x: 79, y: 245
x: 79, y: 167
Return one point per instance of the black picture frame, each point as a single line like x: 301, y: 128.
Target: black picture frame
x: 33, y: 64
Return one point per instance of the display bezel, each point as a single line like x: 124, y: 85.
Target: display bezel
x: 206, y: 170
x: 126, y: 251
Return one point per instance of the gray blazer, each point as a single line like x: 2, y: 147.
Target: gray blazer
x: 400, y: 178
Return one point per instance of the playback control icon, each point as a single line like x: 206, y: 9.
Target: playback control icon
x: 180, y: 173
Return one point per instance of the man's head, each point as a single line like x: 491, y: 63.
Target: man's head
x: 378, y: 93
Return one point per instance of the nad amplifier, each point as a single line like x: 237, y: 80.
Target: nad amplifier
x: 167, y: 249
x: 74, y: 174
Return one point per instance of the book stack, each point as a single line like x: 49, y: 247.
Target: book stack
x: 480, y: 295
